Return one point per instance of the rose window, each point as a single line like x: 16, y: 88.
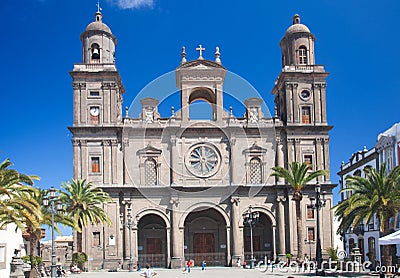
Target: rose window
x: 203, y: 160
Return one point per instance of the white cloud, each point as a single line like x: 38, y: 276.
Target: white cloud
x: 134, y: 4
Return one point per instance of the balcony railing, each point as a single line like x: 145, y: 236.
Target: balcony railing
x: 304, y: 68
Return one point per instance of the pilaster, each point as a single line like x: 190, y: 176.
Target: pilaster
x: 280, y: 250
x: 236, y: 239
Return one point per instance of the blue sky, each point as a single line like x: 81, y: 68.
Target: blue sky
x: 357, y: 41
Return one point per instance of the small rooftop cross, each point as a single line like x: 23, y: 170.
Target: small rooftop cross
x: 200, y: 49
x: 98, y: 6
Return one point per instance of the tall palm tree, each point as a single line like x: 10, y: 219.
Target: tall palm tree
x: 376, y: 194
x: 297, y: 176
x: 84, y: 203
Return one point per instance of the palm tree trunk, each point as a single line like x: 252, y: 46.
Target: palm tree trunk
x: 79, y: 241
x: 386, y: 256
x: 299, y: 230
x: 32, y: 242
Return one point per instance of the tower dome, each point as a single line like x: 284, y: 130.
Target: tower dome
x: 98, y: 24
x: 297, y: 27
x: 98, y: 42
x: 297, y: 45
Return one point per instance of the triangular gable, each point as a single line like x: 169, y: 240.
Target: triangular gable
x: 255, y: 149
x: 149, y: 150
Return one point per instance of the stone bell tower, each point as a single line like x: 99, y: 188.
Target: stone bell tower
x: 302, y: 132
x: 97, y: 84
x: 97, y: 90
x: 300, y: 100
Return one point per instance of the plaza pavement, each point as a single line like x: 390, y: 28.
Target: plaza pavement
x: 224, y: 272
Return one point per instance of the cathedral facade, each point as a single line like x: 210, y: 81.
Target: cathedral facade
x: 181, y: 187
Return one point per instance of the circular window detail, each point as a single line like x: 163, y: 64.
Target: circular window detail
x: 305, y: 95
x: 203, y: 160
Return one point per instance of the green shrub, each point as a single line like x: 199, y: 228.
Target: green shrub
x: 79, y: 257
x: 37, y: 260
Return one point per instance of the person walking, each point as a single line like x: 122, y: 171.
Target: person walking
x: 148, y: 273
x: 189, y: 264
x: 203, y: 265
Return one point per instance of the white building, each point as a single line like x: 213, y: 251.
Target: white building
x: 10, y: 239
x: 387, y: 149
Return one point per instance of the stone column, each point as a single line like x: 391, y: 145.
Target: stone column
x: 236, y: 247
x: 279, y: 157
x: 219, y: 103
x: 126, y: 178
x: 176, y: 256
x: 274, y: 240
x: 317, y: 102
x: 77, y: 158
x: 77, y: 101
x: 228, y: 246
x: 298, y: 150
x: 232, y: 176
x: 106, y: 162
x: 289, y: 104
x: 295, y: 97
x: 84, y: 159
x: 326, y: 157
x: 185, y: 104
x: 281, y: 226
x: 135, y: 252
x: 319, y: 160
x: 114, y: 161
x: 174, y: 158
x: 291, y: 150
x: 168, y: 231
x: 323, y: 102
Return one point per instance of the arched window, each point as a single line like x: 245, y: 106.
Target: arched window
x: 202, y: 104
x: 150, y: 172
x: 371, y: 249
x: 95, y: 48
x: 302, y: 52
x: 255, y: 171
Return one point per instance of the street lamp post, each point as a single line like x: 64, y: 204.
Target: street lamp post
x: 318, y: 203
x: 48, y: 202
x: 251, y: 218
x: 129, y: 224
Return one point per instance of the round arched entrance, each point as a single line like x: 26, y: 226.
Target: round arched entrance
x: 206, y: 237
x: 263, y: 245
x: 152, y: 241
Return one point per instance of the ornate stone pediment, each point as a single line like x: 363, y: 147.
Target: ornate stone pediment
x: 384, y: 142
x: 255, y: 149
x: 149, y: 150
x: 200, y: 64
